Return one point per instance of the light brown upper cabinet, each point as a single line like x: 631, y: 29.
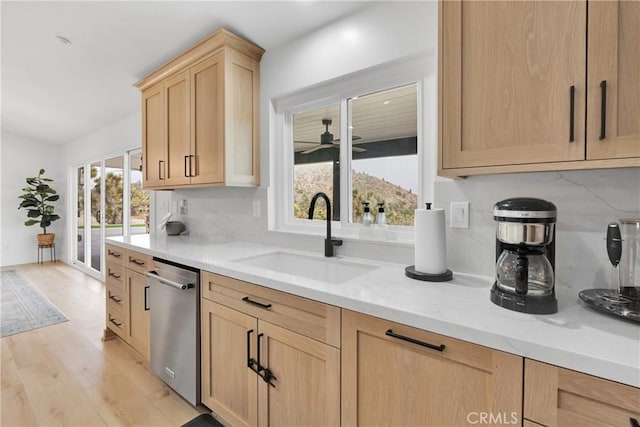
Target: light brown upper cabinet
x: 513, y: 88
x: 153, y: 142
x: 613, y: 121
x: 200, y: 116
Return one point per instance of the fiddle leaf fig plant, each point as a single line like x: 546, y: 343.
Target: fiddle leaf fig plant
x: 36, y: 198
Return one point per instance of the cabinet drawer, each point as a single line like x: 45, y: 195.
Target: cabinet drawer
x: 117, y: 296
x: 117, y: 320
x: 310, y: 318
x: 115, y: 274
x: 137, y: 261
x: 556, y: 396
x: 115, y: 255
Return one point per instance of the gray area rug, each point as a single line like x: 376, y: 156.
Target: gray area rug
x: 24, y: 307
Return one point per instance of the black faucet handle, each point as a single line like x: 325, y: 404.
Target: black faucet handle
x: 336, y: 242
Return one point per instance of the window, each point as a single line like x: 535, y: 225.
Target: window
x: 364, y: 138
x: 384, y: 154
x: 381, y: 149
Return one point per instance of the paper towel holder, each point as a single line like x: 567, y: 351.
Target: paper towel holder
x: 411, y: 272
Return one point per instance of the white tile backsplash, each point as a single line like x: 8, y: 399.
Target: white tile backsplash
x: 586, y: 201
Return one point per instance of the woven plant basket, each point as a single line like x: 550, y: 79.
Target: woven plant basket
x: 46, y: 239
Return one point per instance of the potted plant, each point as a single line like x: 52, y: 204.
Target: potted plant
x: 36, y: 198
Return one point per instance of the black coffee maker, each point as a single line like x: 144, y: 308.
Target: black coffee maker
x: 525, y: 255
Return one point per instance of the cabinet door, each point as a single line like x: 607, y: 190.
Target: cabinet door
x: 507, y: 69
x: 153, y: 142
x: 242, y: 99
x: 613, y: 128
x: 229, y: 386
x: 306, y: 388
x: 389, y: 380
x: 560, y: 397
x: 176, y: 92
x: 207, y: 121
x: 139, y: 322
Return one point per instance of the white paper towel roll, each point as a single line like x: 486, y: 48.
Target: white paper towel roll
x: 430, y: 241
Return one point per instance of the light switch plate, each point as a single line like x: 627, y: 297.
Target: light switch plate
x: 256, y: 208
x: 459, y: 215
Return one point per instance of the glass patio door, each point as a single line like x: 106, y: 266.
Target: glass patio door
x: 109, y: 202
x: 87, y: 230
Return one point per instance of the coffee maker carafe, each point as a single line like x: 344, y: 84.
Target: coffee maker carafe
x: 525, y: 255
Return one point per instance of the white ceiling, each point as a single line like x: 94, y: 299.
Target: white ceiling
x: 56, y: 93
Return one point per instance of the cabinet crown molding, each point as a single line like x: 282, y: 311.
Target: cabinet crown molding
x: 214, y: 41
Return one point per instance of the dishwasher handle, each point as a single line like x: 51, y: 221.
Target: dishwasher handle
x: 154, y: 275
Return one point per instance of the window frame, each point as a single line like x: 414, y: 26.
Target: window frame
x: 340, y: 91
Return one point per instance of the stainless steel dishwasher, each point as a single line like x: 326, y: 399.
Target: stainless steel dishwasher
x: 174, y: 294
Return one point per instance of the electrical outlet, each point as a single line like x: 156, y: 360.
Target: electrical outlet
x: 182, y: 206
x: 459, y: 212
x: 256, y: 208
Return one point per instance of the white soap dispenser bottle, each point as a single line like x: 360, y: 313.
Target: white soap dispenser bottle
x: 367, y: 221
x: 380, y: 230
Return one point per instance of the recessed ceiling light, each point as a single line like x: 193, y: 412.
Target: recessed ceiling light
x: 386, y: 102
x: 63, y: 40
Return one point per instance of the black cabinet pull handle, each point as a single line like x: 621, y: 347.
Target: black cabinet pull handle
x: 260, y: 368
x: 191, y: 168
x: 136, y: 261
x: 113, y: 254
x: 114, y: 275
x: 390, y: 333
x: 114, y: 322
x: 146, y: 298
x: 264, y: 373
x: 259, y: 304
x: 185, y: 166
x: 603, y: 110
x: 634, y: 422
x: 572, y: 98
x: 160, y: 168
x: 250, y: 361
x: 115, y: 299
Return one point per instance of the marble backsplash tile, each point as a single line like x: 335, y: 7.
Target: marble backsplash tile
x: 586, y: 201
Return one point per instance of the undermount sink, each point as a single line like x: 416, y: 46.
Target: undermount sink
x: 310, y: 267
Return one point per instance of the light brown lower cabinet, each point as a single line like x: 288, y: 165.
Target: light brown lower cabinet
x: 560, y: 397
x: 396, y: 375
x: 128, y: 298
x: 255, y: 372
x: 139, y: 319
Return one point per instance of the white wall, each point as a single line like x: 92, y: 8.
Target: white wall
x: 22, y: 158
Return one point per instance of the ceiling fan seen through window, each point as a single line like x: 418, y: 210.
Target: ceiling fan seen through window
x: 327, y: 141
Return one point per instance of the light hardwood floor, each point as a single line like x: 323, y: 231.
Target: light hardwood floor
x: 65, y: 374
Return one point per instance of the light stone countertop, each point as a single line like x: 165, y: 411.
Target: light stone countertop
x: 576, y: 337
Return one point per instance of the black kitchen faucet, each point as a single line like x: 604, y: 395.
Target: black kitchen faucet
x: 329, y: 243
